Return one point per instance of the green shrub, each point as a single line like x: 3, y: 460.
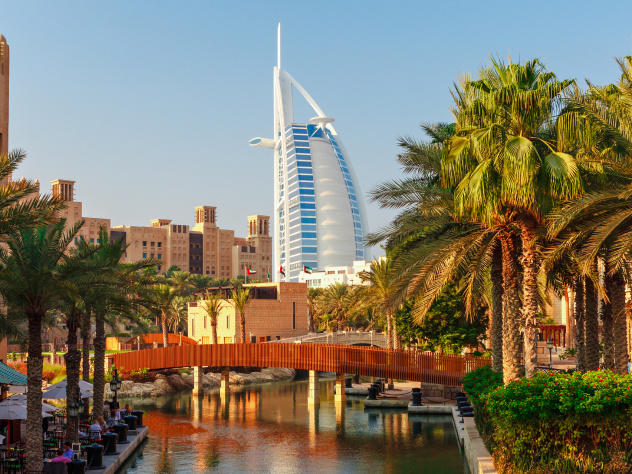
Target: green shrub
x: 555, y: 422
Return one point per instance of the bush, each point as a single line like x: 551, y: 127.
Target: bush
x: 555, y: 422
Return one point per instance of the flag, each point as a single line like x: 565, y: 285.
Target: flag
x: 250, y: 272
x: 268, y: 274
x: 307, y: 269
x: 281, y: 271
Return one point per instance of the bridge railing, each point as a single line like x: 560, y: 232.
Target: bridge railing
x: 415, y: 366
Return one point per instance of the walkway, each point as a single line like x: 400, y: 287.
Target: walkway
x: 344, y: 338
x: 404, y: 365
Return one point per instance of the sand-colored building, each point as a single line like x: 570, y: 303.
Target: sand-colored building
x: 275, y: 311
x: 74, y: 212
x: 255, y: 251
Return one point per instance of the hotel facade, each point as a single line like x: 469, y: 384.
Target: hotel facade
x: 320, y: 220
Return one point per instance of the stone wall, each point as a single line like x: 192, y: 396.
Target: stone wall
x: 438, y: 390
x: 168, y: 385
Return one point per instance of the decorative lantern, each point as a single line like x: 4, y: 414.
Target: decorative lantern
x: 113, y: 385
x: 118, y: 383
x: 73, y: 409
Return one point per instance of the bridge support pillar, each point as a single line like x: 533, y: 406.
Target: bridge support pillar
x: 198, y: 374
x: 340, y: 388
x: 313, y: 394
x: 225, y: 381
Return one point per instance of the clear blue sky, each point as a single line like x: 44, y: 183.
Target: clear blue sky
x: 149, y: 105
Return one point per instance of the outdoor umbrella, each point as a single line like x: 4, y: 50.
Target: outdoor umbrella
x: 58, y: 390
x: 22, y: 401
x: 13, y: 411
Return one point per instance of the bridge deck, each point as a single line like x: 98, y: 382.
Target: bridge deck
x: 415, y: 366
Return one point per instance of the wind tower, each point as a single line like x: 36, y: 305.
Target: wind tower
x: 319, y: 215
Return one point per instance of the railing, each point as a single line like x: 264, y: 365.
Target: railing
x: 425, y: 367
x: 556, y: 332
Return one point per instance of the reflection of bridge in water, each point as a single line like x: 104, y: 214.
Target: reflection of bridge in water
x: 423, y: 367
x: 345, y: 338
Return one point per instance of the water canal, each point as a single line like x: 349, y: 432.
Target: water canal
x: 270, y: 428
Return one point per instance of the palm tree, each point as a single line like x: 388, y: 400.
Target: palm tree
x: 334, y: 302
x: 312, y: 306
x: 327, y: 323
x: 21, y: 206
x: 213, y: 306
x: 508, y: 168
x: 126, y: 291
x: 36, y: 271
x: 178, y: 314
x: 429, y: 249
x: 163, y: 298
x: 240, y: 299
x: 380, y: 295
x: 181, y: 282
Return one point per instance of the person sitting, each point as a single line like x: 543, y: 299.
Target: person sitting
x: 103, y: 424
x: 60, y: 457
x: 68, y: 452
x: 94, y: 432
x: 115, y: 416
x: 126, y: 411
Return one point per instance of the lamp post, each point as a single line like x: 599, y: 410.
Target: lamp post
x: 115, y: 386
x: 549, y: 345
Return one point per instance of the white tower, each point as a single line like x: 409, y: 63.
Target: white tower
x: 319, y: 214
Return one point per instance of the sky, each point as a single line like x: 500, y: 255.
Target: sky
x: 149, y: 105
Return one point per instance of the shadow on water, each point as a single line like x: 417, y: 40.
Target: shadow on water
x: 271, y: 428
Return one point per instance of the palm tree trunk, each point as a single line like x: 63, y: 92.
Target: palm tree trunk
x: 621, y: 356
x: 34, y: 440
x: 73, y: 362
x: 497, y: 308
x: 242, y: 326
x: 85, y: 339
x: 99, y: 365
x: 592, y: 326
x: 511, y: 309
x: 397, y: 342
x: 580, y: 322
x: 214, y: 330
x: 389, y: 343
x: 606, y: 319
x: 165, y: 333
x: 529, y: 260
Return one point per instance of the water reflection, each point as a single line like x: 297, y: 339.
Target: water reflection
x: 271, y: 428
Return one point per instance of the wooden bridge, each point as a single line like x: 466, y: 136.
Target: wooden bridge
x: 424, y: 367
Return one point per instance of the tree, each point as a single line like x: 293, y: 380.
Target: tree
x: 334, y: 302
x: 508, y: 168
x: 213, y: 306
x: 36, y: 271
x: 312, y: 306
x: 380, y: 295
x: 445, y: 327
x: 240, y: 299
x: 163, y: 299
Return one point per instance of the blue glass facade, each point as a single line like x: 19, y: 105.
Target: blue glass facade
x: 301, y: 219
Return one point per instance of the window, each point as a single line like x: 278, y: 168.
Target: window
x: 159, y: 268
x: 144, y: 255
x: 159, y: 256
x: 159, y: 244
x: 227, y: 322
x: 193, y: 327
x: 76, y: 240
x: 91, y: 241
x: 98, y: 241
x: 204, y: 322
x: 151, y: 255
x: 144, y: 243
x: 293, y: 314
x: 253, y: 339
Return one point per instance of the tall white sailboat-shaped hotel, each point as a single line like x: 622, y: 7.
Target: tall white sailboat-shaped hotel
x: 319, y: 214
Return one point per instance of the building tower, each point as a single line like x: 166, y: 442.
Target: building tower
x: 319, y: 213
x: 4, y: 99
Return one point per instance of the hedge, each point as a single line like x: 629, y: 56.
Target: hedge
x: 555, y: 422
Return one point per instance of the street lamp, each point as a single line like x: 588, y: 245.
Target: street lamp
x: 115, y: 386
x: 73, y: 409
x: 549, y: 345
